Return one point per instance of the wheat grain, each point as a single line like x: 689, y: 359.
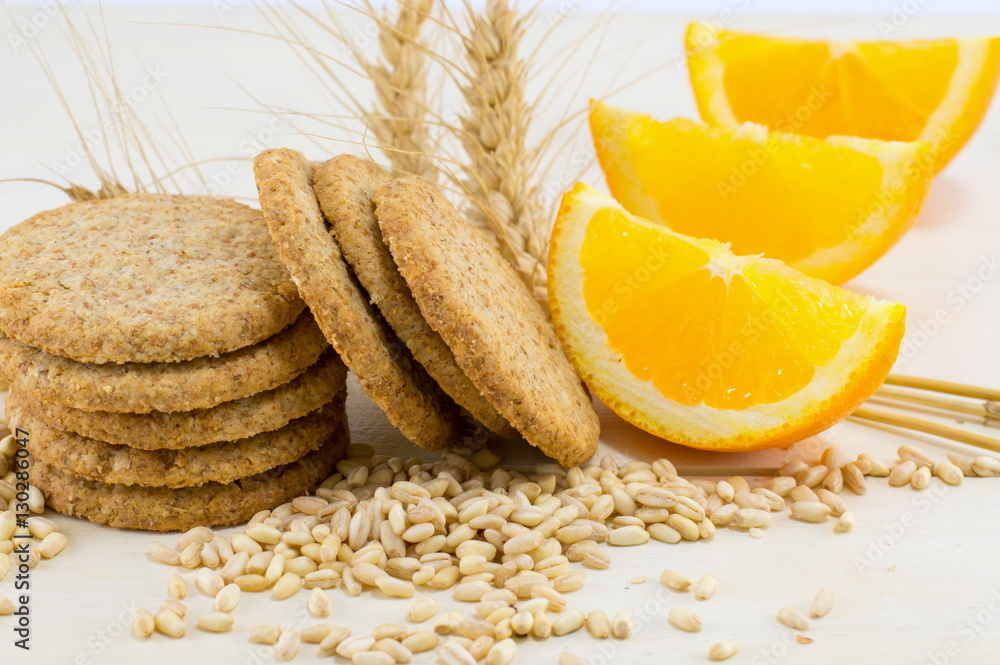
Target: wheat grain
x: 844, y: 523
x: 674, y: 580
x: 598, y: 625
x: 902, y: 473
x: 177, y: 587
x: 949, y: 473
x: 319, y: 603
x: 265, y: 634
x: 822, y: 604
x: 921, y: 478
x: 706, y: 587
x: 986, y: 467
x: 568, y: 622
x: 40, y: 527
x: 793, y: 618
x: 723, y: 650
x: 684, y: 619
x: 502, y: 652
x: 52, y: 544
x: 372, y: 658
x: 916, y: 455
x: 420, y: 641
x: 803, y: 493
x: 627, y: 536
x: 352, y: 645
x: 621, y: 625
x: 287, y: 646
x: 963, y: 462
x: 215, y: 622
x: 168, y: 623
x: 810, y: 511
x: 143, y: 624
x: 175, y: 606
x: 209, y: 581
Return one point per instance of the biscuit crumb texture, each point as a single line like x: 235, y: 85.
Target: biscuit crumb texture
x: 344, y: 186
x: 144, y: 387
x: 220, y: 462
x: 211, y: 504
x: 229, y: 421
x: 143, y: 278
x: 499, y: 334
x: 384, y: 368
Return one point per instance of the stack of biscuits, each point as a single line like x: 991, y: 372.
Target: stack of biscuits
x: 422, y: 308
x: 167, y: 374
x: 162, y: 364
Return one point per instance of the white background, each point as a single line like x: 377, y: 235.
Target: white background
x: 917, y: 577
x: 759, y: 7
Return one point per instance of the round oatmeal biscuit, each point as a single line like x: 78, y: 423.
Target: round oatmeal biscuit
x: 145, y: 387
x: 229, y: 421
x: 211, y: 504
x: 383, y: 366
x: 143, y: 278
x: 344, y: 186
x: 220, y: 462
x: 499, y: 334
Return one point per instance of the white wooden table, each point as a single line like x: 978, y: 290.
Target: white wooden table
x: 917, y: 581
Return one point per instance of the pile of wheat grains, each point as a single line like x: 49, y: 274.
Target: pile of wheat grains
x: 512, y: 544
x: 157, y: 353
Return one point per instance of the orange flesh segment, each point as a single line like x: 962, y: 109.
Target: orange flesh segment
x: 883, y: 90
x: 718, y: 331
x: 759, y: 196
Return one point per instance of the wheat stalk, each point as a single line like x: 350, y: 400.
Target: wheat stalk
x: 498, y: 176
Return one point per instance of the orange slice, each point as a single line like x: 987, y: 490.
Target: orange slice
x: 828, y: 207
x: 697, y: 345
x: 917, y: 90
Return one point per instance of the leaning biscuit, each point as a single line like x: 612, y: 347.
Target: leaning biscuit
x: 382, y: 365
x: 211, y: 504
x: 229, y: 421
x: 344, y: 186
x: 143, y: 278
x: 145, y: 387
x: 500, y: 337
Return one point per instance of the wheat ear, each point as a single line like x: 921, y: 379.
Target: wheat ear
x: 494, y: 135
x: 398, y: 119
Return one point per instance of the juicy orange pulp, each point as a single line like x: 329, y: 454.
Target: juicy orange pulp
x: 935, y: 90
x: 777, y: 189
x: 828, y: 207
x: 702, y: 347
x: 683, y: 319
x: 857, y: 89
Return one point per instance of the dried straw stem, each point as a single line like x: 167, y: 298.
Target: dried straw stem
x: 946, y: 387
x: 498, y: 177
x: 887, y: 417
